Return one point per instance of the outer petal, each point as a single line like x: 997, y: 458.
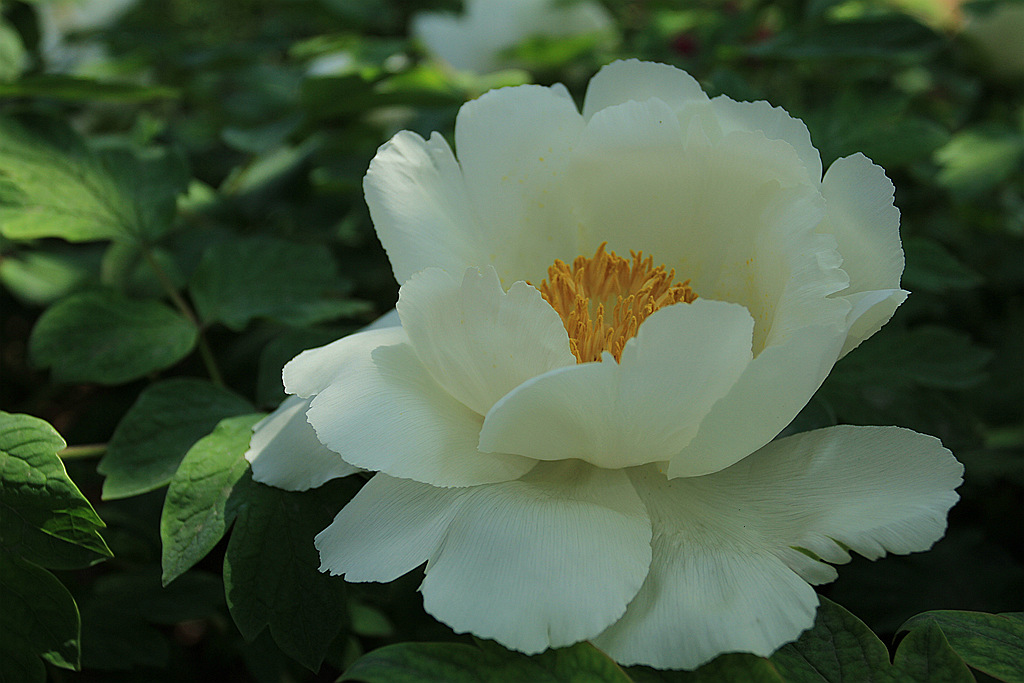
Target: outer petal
x: 630, y: 79
x: 723, y: 542
x: 774, y: 122
x: 866, y: 225
x: 313, y: 370
x: 644, y: 409
x: 388, y: 529
x: 478, y: 342
x: 542, y: 562
x: 285, y: 452
x: 420, y: 207
x: 383, y: 411
x: 514, y: 145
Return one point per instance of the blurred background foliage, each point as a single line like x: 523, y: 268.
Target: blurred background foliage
x: 181, y: 212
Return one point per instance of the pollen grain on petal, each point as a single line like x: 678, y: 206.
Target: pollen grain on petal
x: 603, y: 299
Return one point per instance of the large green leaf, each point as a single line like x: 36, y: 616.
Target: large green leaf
x: 106, y: 338
x: 260, y: 277
x: 53, y: 185
x: 196, y: 514
x: 925, y: 656
x: 77, y: 88
x: 38, y: 619
x: 458, y: 663
x: 991, y: 643
x: 271, y: 568
x: 839, y: 647
x: 153, y: 437
x: 45, y: 518
x: 727, y: 668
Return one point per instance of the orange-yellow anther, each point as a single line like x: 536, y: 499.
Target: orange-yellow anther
x: 583, y: 293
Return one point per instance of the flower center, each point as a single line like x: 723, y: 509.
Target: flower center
x: 583, y: 294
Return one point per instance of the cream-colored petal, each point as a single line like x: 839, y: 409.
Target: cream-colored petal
x: 774, y: 122
x: 420, y: 207
x: 313, y: 370
x: 546, y: 561
x: 866, y: 225
x: 514, y: 145
x: 711, y: 588
x: 775, y: 386
x: 388, y: 529
x: 630, y: 79
x: 476, y: 340
x: 728, y: 574
x: 284, y: 451
x: 644, y: 409
x: 383, y: 411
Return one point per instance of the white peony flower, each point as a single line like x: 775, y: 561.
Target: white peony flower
x: 474, y: 41
x: 578, y: 445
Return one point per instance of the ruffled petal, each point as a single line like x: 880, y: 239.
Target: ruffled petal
x: 774, y: 122
x: 388, y: 529
x: 732, y: 550
x: 478, y: 342
x: 542, y: 562
x: 420, y: 207
x: 514, y: 145
x: 644, y: 409
x: 383, y: 411
x: 866, y: 225
x: 630, y: 79
x: 313, y: 370
x: 284, y: 451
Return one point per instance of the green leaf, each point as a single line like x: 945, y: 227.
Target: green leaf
x: 925, y: 656
x: 271, y: 568
x: 880, y: 37
x: 103, y: 337
x: 932, y: 268
x: 975, y: 161
x: 458, y: 663
x: 839, y: 647
x: 196, y: 514
x: 39, y: 619
x: 40, y: 277
x: 53, y: 185
x: 990, y: 643
x: 79, y: 89
x: 45, y: 517
x: 156, y: 432
x: 260, y: 277
x: 728, y: 668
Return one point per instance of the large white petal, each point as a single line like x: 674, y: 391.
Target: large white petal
x: 866, y: 225
x: 774, y: 122
x: 514, y: 145
x: 419, y: 206
x: 630, y: 79
x: 284, y: 451
x: 542, y: 562
x: 729, y: 573
x: 313, y: 370
x: 388, y: 529
x: 644, y: 409
x: 383, y: 411
x: 775, y: 386
x: 478, y: 342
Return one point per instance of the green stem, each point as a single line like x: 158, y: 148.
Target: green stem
x: 204, y: 348
x: 83, y: 452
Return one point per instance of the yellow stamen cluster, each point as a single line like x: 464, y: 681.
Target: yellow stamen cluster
x: 582, y: 293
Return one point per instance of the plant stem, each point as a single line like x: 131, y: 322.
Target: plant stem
x: 204, y: 348
x: 90, y: 450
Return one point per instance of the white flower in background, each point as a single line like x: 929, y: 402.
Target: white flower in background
x: 475, y: 40
x: 578, y: 445
x: 59, y: 19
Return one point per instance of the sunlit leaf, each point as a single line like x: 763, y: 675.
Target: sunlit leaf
x: 45, y: 519
x: 196, y: 513
x: 153, y: 437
